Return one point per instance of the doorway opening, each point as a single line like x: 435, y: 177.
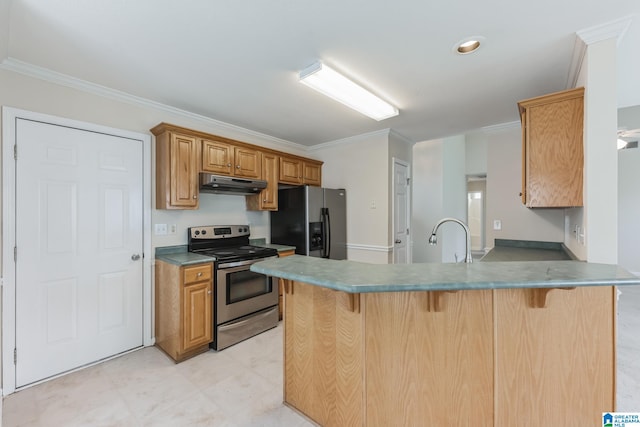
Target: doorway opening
x: 476, y: 212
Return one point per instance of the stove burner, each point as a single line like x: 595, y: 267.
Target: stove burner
x: 222, y: 243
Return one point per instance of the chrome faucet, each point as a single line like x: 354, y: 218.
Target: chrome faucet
x: 433, y: 240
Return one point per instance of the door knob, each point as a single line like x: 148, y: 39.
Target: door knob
x: 135, y: 257
x: 398, y: 241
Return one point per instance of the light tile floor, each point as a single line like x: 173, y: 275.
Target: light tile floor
x: 240, y: 386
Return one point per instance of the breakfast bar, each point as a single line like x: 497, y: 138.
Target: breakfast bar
x: 483, y: 344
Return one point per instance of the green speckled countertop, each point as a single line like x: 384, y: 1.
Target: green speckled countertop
x: 357, y: 277
x: 179, y: 255
x: 518, y: 250
x: 279, y: 248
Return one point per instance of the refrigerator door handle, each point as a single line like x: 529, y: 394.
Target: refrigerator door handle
x: 326, y: 230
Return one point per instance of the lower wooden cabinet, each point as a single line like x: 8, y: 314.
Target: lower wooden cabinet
x: 184, y: 309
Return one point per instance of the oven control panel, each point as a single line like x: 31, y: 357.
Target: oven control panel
x: 218, y: 231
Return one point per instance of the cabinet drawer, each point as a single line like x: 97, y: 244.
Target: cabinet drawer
x: 196, y: 273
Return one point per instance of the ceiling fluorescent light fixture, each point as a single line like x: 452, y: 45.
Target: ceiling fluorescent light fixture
x: 334, y: 85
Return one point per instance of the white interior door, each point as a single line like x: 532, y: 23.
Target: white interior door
x: 79, y: 239
x: 400, y: 212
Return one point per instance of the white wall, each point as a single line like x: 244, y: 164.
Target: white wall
x: 629, y: 209
x: 454, y: 199
x: 628, y: 195
x: 599, y: 217
x: 476, y: 153
x: 504, y: 184
x: 427, y: 193
x: 439, y: 190
x: 361, y: 166
x: 4, y: 29
x: 32, y: 94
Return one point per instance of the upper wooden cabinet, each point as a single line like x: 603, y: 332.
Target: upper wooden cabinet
x: 290, y: 170
x: 181, y: 154
x: 295, y: 170
x: 177, y: 167
x: 312, y: 173
x: 227, y: 159
x: 552, y: 149
x: 267, y: 200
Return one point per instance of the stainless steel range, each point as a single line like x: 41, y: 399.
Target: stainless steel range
x: 246, y: 303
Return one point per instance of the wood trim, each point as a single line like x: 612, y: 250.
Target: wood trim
x: 550, y: 98
x: 354, y: 303
x: 538, y: 296
x: 434, y: 300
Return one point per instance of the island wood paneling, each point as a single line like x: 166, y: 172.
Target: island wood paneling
x: 425, y: 367
x: 555, y: 365
x: 323, y: 355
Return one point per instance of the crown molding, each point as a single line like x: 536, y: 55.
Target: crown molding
x: 349, y: 140
x: 501, y: 127
x: 45, y: 74
x: 612, y: 29
x: 401, y: 137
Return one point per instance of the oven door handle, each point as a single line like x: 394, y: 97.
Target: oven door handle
x: 241, y: 263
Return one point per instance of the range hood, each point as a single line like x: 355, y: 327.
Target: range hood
x: 220, y: 184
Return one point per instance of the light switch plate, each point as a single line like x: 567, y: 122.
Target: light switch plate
x: 160, y: 229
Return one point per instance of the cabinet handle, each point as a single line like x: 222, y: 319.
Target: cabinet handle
x: 237, y: 166
x: 195, y: 197
x: 199, y: 273
x: 264, y: 201
x: 228, y: 164
x: 208, y: 292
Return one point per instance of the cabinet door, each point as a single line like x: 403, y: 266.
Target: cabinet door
x: 312, y: 173
x: 290, y: 170
x: 553, y: 157
x: 197, y: 313
x: 217, y: 157
x: 247, y: 163
x: 267, y: 200
x: 184, y: 171
x: 269, y: 196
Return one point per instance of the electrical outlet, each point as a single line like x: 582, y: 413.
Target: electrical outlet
x: 173, y: 229
x: 161, y: 229
x: 497, y: 224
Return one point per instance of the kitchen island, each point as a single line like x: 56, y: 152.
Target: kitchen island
x: 482, y: 344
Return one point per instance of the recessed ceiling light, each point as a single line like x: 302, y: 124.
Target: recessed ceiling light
x: 468, y: 45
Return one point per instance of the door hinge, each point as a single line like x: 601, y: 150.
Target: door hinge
x: 15, y: 356
x: 15, y: 151
x: 408, y: 181
x: 15, y: 254
x: 407, y: 231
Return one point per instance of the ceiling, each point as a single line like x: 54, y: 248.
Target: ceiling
x: 238, y: 61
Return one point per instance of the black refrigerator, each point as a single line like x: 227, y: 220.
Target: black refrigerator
x: 312, y: 219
